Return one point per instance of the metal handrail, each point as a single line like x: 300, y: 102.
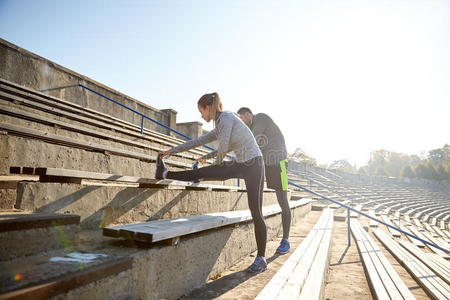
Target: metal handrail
x: 140, y: 114
x: 365, y: 215
x: 145, y: 117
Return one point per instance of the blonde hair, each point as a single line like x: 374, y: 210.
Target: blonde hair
x: 212, y: 99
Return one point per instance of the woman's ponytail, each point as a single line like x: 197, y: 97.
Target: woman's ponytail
x: 212, y: 99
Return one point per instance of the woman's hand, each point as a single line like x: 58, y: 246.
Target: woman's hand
x: 164, y: 153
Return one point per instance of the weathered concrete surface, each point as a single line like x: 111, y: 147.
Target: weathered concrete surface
x: 118, y: 287
x: 30, y: 70
x: 34, y: 241
x: 191, y: 129
x: 106, y: 142
x: 168, y: 272
x: 105, y: 205
x: 20, y: 151
x: 7, y: 199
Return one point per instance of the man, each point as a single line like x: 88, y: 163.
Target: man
x: 273, y: 147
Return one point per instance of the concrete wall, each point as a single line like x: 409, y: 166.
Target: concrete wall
x: 191, y: 129
x: 30, y: 70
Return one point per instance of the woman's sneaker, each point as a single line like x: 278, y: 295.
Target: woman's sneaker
x: 284, y: 247
x: 160, y: 168
x: 195, y: 167
x: 258, y: 266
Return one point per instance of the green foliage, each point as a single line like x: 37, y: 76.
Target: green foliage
x: 342, y: 165
x: 393, y: 162
x: 435, y: 166
x: 407, y: 172
x: 363, y: 171
x: 439, y: 156
x: 442, y: 172
x: 381, y: 171
x: 421, y: 170
x: 301, y: 156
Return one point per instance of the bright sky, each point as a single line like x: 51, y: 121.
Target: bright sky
x: 340, y: 78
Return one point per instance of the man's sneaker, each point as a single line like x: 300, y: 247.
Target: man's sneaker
x: 258, y: 266
x: 160, y: 168
x: 284, y: 247
x: 195, y: 167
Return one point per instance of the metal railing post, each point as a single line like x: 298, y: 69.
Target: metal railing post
x: 348, y: 227
x: 142, y: 125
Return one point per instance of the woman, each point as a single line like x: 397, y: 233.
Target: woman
x: 233, y: 135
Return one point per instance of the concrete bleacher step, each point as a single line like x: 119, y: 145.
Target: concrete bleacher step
x: 51, y: 105
x: 132, y: 269
x: 107, y: 138
x: 384, y: 280
x: 101, y: 205
x: 77, y: 176
x: 71, y: 142
x: 23, y: 234
x: 46, y: 275
x: 302, y: 276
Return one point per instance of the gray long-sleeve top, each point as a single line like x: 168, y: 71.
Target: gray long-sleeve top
x: 232, y: 134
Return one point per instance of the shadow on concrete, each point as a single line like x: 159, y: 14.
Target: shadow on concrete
x: 236, y: 203
x: 123, y: 202
x: 63, y: 202
x: 160, y: 213
x: 224, y: 284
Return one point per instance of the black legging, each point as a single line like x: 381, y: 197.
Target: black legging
x: 282, y: 197
x: 252, y: 171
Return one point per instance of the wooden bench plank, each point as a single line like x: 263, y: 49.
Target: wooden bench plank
x: 437, y: 242
x: 439, y: 268
x: 13, y: 222
x: 372, y: 223
x: 429, y: 281
x: 314, y: 285
x: 291, y: 289
x: 169, y: 228
x: 68, y: 277
x: 417, y: 243
x: 373, y: 276
x: 296, y: 262
x: 58, y: 174
x: 440, y: 233
x: 393, y: 232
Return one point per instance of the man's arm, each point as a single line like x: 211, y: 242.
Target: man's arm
x: 260, y: 123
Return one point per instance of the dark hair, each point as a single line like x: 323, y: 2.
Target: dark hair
x: 244, y: 110
x: 212, y: 99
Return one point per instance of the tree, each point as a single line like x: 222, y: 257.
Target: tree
x: 381, y: 171
x: 363, y: 171
x: 342, y: 165
x: 377, y: 159
x: 442, y: 173
x: 301, y: 156
x: 430, y: 171
x: 420, y: 170
x: 407, y: 172
x: 441, y: 155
